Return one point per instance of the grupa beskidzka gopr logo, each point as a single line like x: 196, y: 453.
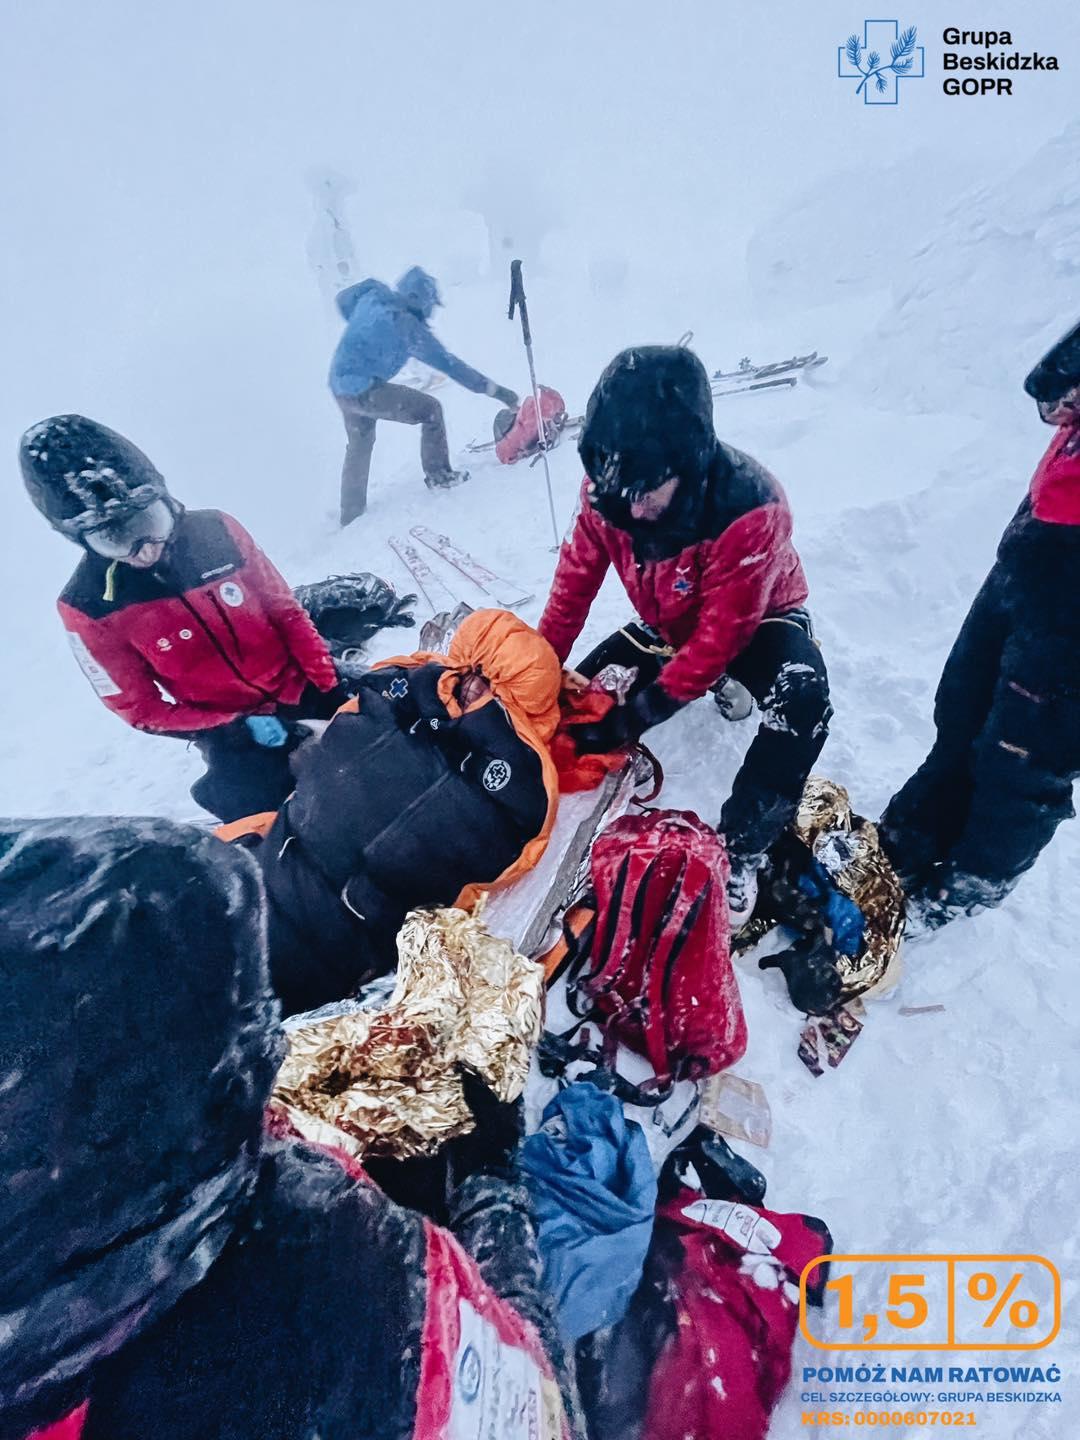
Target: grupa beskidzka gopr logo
x: 863, y: 58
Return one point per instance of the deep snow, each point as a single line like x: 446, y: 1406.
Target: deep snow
x: 653, y: 181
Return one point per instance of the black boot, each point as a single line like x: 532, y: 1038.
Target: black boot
x: 446, y: 479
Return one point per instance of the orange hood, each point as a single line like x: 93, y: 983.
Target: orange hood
x: 525, y: 677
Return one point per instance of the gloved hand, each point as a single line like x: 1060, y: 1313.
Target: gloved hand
x: 503, y: 395
x: 625, y: 724
x: 809, y: 967
x: 490, y: 1148
x: 267, y: 731
x: 619, y: 727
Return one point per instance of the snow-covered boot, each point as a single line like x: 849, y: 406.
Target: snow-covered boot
x: 742, y: 890
x: 949, y: 895
x: 446, y: 479
x: 733, y: 700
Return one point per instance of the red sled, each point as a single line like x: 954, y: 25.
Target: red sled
x: 522, y: 437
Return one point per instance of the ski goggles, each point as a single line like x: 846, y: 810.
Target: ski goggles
x: 125, y: 536
x: 618, y: 481
x: 1063, y: 411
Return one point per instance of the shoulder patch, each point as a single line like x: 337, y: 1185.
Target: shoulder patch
x: 496, y: 775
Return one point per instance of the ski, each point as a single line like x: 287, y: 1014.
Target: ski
x: 782, y: 382
x: 748, y: 371
x: 437, y: 594
x: 504, y: 592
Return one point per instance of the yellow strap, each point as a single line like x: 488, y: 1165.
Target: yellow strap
x: 667, y: 650
x: 783, y: 620
x: 110, y: 581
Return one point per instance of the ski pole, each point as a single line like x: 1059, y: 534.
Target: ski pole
x: 517, y: 302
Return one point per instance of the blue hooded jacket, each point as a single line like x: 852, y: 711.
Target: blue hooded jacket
x: 593, y: 1192
x: 385, y: 328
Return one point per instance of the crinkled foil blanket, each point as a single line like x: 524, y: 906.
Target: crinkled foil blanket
x: 386, y: 1082
x: 849, y: 849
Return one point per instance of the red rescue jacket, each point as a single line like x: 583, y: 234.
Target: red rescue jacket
x: 709, y: 595
x: 213, y: 625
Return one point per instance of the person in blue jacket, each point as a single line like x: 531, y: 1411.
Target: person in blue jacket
x: 385, y: 328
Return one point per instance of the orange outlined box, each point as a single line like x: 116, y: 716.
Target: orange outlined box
x: 950, y: 1300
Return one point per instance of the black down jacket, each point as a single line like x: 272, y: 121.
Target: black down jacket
x: 396, y: 806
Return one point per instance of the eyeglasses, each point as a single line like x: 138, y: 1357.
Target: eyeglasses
x: 120, y: 539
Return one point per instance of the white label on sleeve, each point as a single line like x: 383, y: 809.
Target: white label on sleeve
x: 94, y: 671
x: 498, y: 1388
x: 749, y: 1230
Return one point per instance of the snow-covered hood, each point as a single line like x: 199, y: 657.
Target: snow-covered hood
x: 650, y: 418
x: 137, y: 1051
x: 349, y: 298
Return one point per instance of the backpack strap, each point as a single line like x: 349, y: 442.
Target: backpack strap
x: 556, y: 1053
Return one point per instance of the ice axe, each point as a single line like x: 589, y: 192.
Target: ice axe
x: 518, y: 303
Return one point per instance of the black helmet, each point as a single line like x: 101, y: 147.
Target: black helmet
x: 82, y: 475
x: 648, y: 419
x: 1057, y: 372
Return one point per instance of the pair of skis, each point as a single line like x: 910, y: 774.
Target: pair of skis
x: 502, y: 592
x: 780, y: 375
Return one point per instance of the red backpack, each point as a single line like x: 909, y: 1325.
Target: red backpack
x: 523, y: 436
x: 660, y: 953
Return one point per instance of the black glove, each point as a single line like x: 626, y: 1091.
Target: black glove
x: 490, y: 1148
x: 722, y: 1175
x: 625, y: 724
x: 505, y: 397
x: 809, y: 967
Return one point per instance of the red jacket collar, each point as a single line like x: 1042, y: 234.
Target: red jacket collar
x: 1055, y: 488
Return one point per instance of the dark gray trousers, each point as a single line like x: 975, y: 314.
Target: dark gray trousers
x: 387, y: 402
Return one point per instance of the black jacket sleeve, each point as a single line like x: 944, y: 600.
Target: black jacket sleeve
x: 492, y: 1219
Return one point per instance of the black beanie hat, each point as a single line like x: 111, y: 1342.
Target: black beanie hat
x: 649, y: 418
x: 80, y: 474
x: 138, y: 1045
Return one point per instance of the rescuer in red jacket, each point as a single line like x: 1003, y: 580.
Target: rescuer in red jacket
x: 700, y: 536
x: 178, y: 620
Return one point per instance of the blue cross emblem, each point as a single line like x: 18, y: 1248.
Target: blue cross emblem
x: 880, y: 60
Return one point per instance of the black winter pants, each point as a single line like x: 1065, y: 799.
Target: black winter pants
x: 783, y: 669
x: 243, y: 778
x: 998, y: 780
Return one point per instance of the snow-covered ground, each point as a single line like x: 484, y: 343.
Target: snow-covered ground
x: 658, y: 170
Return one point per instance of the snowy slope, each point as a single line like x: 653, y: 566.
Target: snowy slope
x: 183, y: 311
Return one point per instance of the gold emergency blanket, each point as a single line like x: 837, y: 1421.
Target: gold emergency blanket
x: 386, y: 1081
x: 848, y: 847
